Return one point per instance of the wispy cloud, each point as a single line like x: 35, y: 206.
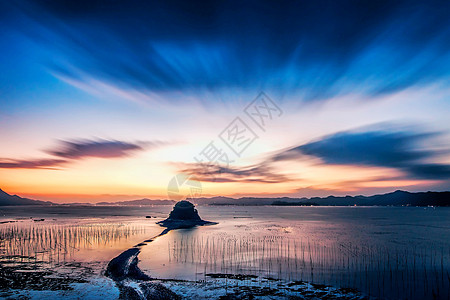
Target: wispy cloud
x: 70, y: 151
x: 32, y: 164
x: 94, y: 148
x: 214, y: 173
x: 373, y: 48
x: 403, y: 150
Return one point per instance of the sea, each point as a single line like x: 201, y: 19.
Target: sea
x: 368, y: 252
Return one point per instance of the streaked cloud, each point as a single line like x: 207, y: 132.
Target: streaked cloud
x: 182, y: 70
x: 95, y: 148
x: 215, y: 173
x: 352, y: 46
x: 404, y: 150
x: 70, y: 151
x: 32, y: 164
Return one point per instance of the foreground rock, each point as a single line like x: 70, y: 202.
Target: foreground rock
x: 131, y: 281
x: 145, y: 290
x: 184, y: 215
x: 125, y: 266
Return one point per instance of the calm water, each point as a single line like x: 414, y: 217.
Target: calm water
x: 389, y: 252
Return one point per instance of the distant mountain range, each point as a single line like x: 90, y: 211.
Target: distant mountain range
x: 8, y: 200
x: 144, y: 201
x: 397, y: 198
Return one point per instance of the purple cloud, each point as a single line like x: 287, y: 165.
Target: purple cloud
x: 403, y: 150
x: 32, y: 164
x: 214, y: 173
x: 99, y: 148
x: 69, y: 151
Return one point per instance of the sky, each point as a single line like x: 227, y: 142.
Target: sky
x: 119, y: 100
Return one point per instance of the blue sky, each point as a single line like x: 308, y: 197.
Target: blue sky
x: 155, y: 82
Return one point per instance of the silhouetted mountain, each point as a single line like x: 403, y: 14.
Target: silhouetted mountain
x: 285, y: 203
x: 9, y: 200
x: 144, y: 201
x: 397, y: 198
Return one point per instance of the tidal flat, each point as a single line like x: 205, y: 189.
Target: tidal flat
x: 260, y: 252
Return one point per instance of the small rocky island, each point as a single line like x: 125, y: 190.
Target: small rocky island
x: 183, y: 215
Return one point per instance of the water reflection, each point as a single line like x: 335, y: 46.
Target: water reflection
x: 387, y: 252
x: 49, y: 242
x: 378, y: 270
x: 374, y: 258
